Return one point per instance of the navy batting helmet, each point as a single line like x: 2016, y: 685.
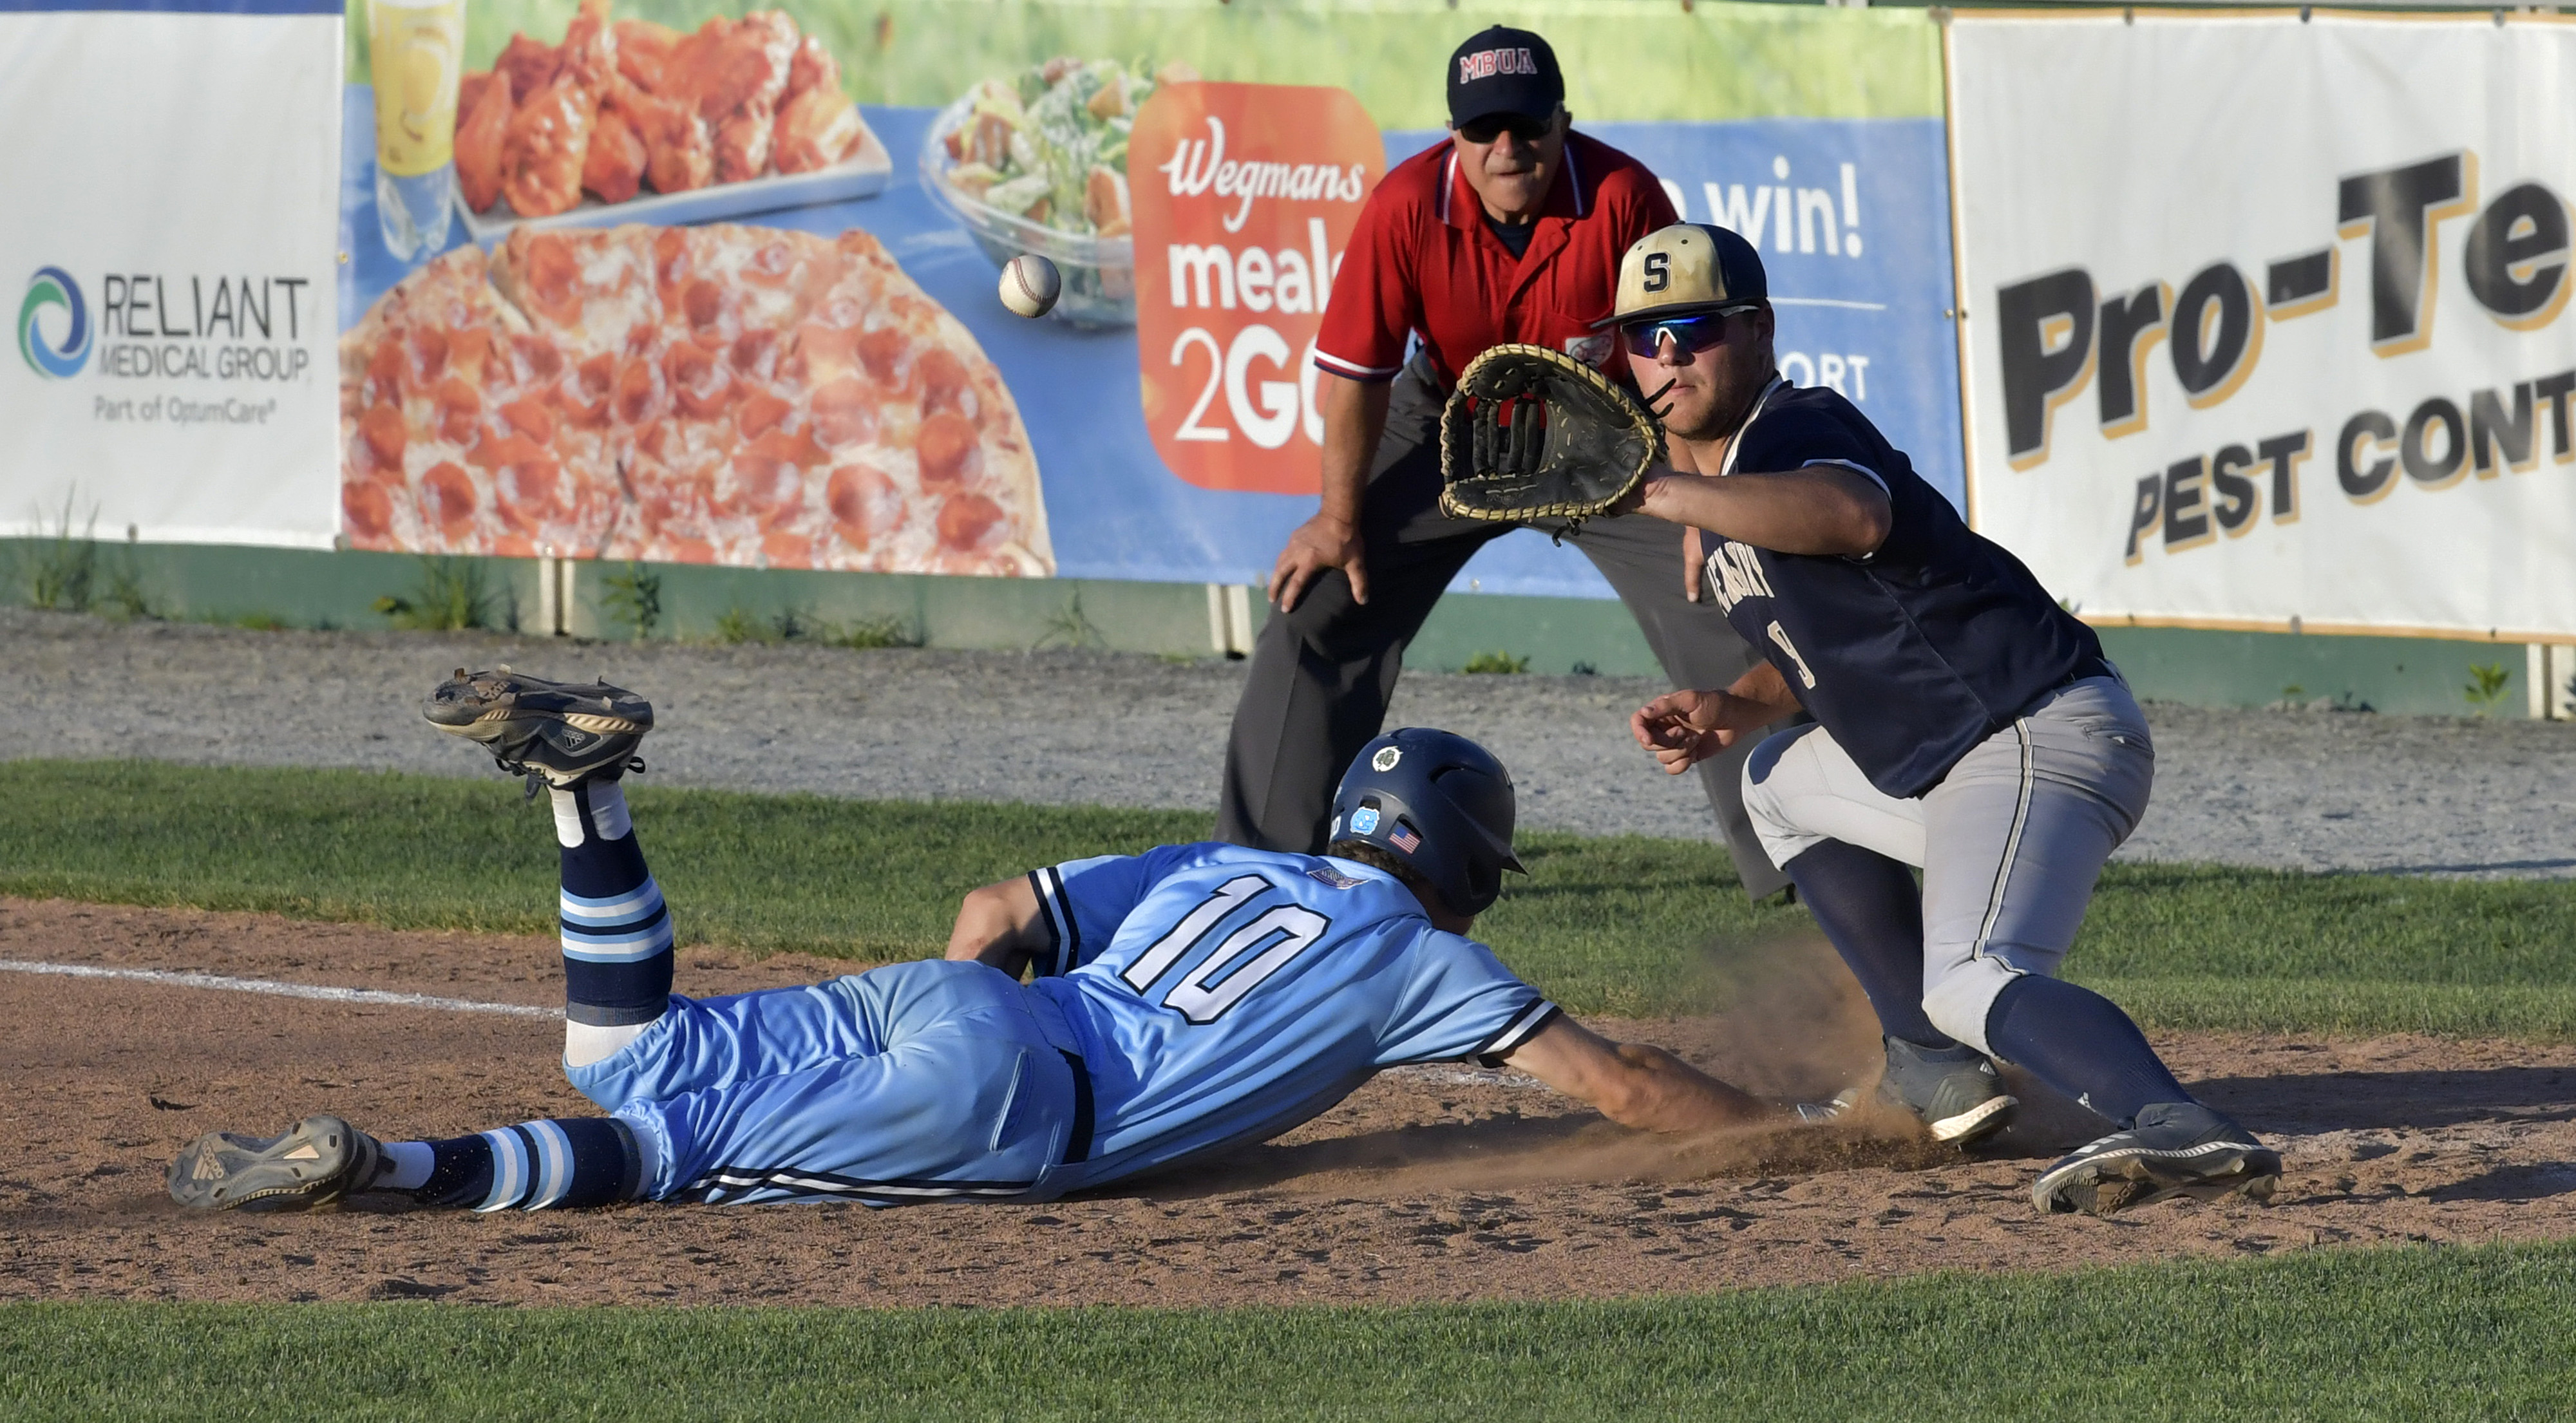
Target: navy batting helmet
x: 1437, y: 801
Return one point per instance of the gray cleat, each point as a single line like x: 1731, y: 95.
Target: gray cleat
x: 1953, y: 1090
x: 309, y: 1168
x: 2176, y: 1149
x: 561, y: 733
x: 1825, y: 1113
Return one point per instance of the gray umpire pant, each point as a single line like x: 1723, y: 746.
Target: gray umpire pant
x: 1322, y: 674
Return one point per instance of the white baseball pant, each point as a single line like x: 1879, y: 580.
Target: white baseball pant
x: 2010, y: 842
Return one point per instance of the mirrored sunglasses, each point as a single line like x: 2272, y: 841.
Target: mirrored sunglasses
x: 1493, y: 126
x: 1689, y: 333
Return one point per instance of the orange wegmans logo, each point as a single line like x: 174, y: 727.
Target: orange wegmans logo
x: 1245, y: 196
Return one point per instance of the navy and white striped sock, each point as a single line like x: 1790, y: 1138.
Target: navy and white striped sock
x: 616, y: 930
x: 562, y: 1162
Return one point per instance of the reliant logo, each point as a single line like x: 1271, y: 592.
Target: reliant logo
x: 52, y: 286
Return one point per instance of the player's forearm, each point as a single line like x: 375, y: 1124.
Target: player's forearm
x: 1663, y: 1093
x: 998, y: 925
x: 1354, y: 422
x: 1822, y: 509
x: 1763, y: 687
x: 1633, y: 1085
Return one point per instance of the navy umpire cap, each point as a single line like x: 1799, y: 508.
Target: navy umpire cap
x: 1440, y: 803
x: 1501, y: 70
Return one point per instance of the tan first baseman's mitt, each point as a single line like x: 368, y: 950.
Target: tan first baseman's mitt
x: 1532, y: 433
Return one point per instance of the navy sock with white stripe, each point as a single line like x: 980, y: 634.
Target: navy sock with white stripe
x: 562, y: 1162
x: 1872, y: 913
x: 616, y: 930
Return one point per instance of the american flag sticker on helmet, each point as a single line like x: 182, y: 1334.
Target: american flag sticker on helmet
x: 1403, y: 838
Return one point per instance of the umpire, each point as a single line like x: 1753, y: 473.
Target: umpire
x: 1511, y: 231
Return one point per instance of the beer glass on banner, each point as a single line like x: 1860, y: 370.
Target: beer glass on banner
x: 416, y: 52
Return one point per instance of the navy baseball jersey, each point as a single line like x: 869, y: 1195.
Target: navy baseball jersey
x: 1224, y: 995
x: 1915, y: 653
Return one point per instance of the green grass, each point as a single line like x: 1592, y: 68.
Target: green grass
x: 2406, y: 1334
x: 869, y: 880
x: 2207, y: 946
x: 1607, y: 924
x: 1617, y: 924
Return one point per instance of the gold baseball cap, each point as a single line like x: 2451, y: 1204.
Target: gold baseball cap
x: 1687, y: 269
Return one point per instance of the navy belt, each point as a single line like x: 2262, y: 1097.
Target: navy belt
x: 2084, y: 670
x: 2087, y: 669
x: 1077, y: 1143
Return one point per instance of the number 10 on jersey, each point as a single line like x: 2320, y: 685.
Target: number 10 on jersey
x: 1245, y: 196
x: 1248, y: 955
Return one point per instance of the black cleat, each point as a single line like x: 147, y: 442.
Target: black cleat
x: 309, y: 1168
x: 560, y: 733
x: 1953, y: 1091
x: 2176, y: 1149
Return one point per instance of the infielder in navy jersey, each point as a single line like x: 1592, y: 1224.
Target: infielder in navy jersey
x: 1965, y: 725
x: 1187, y: 1000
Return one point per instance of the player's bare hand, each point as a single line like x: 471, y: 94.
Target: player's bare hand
x: 1682, y: 729
x: 1634, y: 501
x: 1320, y: 543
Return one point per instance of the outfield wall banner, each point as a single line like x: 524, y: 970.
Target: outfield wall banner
x: 2268, y: 315
x: 675, y: 321
x: 168, y: 177
x: 1232, y: 275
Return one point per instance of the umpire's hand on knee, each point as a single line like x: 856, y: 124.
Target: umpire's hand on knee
x: 1320, y: 543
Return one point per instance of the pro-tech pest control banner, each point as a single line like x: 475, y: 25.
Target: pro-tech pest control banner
x: 2267, y: 318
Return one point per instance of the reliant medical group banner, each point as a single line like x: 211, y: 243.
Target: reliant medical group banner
x: 167, y: 207
x: 2267, y: 316
x: 686, y: 280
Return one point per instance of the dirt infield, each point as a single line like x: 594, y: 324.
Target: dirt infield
x: 1429, y: 1184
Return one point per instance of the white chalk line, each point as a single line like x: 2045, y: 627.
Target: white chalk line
x: 371, y: 997
x: 1465, y: 1077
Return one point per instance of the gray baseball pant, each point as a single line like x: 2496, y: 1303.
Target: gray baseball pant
x: 1322, y: 674
x: 2010, y: 842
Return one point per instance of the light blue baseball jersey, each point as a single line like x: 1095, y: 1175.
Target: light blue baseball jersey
x: 1224, y: 995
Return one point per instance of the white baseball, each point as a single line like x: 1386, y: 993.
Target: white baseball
x: 1030, y: 285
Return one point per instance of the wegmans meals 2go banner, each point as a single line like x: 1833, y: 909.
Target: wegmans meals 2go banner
x: 2267, y: 318
x: 714, y: 280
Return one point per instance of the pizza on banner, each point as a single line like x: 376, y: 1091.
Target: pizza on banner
x: 717, y: 394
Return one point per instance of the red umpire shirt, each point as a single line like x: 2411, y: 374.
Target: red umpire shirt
x: 1424, y: 260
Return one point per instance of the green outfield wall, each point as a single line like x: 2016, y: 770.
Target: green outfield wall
x: 291, y: 588
x: 1708, y: 61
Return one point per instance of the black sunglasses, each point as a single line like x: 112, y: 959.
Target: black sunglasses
x: 1493, y: 126
x: 1689, y: 333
